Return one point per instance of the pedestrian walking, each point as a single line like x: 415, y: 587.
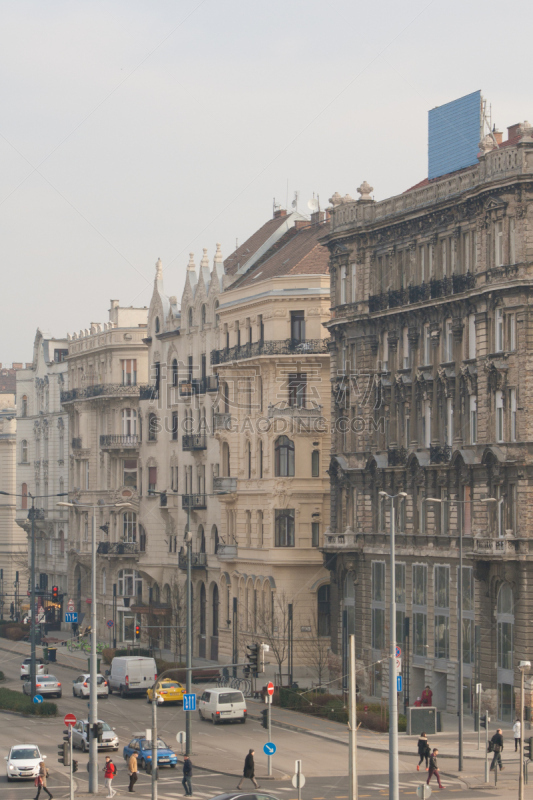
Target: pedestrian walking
x: 187, y: 775
x: 249, y: 770
x: 133, y: 769
x: 109, y: 773
x: 40, y: 781
x: 434, y: 767
x: 424, y: 751
x: 517, y: 732
x: 497, y: 747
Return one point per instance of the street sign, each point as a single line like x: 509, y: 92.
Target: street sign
x: 398, y: 651
x: 269, y: 748
x: 398, y: 665
x: 398, y: 683
x: 71, y: 616
x: 189, y: 702
x: 38, y: 698
x: 270, y: 688
x: 110, y: 623
x: 423, y: 791
x: 69, y: 719
x: 181, y: 737
x: 70, y: 605
x: 298, y: 780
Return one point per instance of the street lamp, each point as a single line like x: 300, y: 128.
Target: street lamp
x: 460, y: 701
x: 394, y: 790
x: 93, y: 695
x: 523, y: 666
x: 33, y: 514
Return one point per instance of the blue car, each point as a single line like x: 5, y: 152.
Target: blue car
x: 140, y: 745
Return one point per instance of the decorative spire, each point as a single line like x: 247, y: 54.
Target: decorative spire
x: 159, y: 270
x: 218, y: 255
x: 205, y: 261
x: 365, y: 190
x: 191, y: 265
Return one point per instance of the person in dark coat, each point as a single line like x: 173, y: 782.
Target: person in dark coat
x: 249, y: 770
x: 434, y: 767
x: 40, y: 781
x: 423, y: 751
x: 497, y: 747
x: 187, y: 775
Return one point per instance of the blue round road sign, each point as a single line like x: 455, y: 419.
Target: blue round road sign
x: 110, y: 623
x: 38, y: 698
x: 269, y: 748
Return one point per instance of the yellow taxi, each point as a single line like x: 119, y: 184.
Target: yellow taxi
x: 168, y: 692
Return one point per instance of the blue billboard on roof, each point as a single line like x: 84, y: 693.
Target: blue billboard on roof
x: 454, y: 132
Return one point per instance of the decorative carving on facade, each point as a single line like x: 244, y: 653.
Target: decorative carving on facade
x: 496, y: 376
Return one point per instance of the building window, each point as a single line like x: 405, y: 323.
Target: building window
x: 473, y: 419
x: 129, y: 583
x: 129, y: 527
x: 442, y: 612
x: 129, y: 371
x: 174, y: 372
x: 152, y: 427
x: 426, y: 424
x: 260, y: 459
x: 129, y: 422
x: 378, y: 605
x: 353, y: 269
x: 24, y: 493
x: 152, y: 479
x: 342, y: 298
x: 427, y: 344
x: 297, y: 326
x: 499, y: 343
x: 315, y: 464
x: 226, y: 460
x: 284, y: 521
x: 174, y: 430
x: 406, y: 354
x: 284, y: 457
x: 385, y: 352
x: 24, y: 408
x: 203, y: 316
x: 467, y: 595
x: 512, y: 406
x: 471, y: 336
x: 499, y: 417
x: 324, y: 611
x: 297, y: 389
x: 130, y: 473
x: 248, y: 460
x: 498, y: 243
x: 448, y: 341
x: 190, y: 319
x: 24, y: 451
x: 420, y: 599
x: 315, y: 534
x: 449, y: 421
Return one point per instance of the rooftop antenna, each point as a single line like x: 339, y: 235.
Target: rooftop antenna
x: 295, y: 201
x: 313, y: 204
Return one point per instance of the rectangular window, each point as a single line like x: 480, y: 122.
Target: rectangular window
x: 442, y: 612
x: 342, y: 298
x: 406, y: 354
x: 86, y: 472
x: 499, y: 416
x: 512, y: 405
x: 444, y: 513
x: 471, y: 336
x: 385, y: 353
x: 284, y: 521
x: 420, y: 585
x: 399, y: 576
x: 378, y: 581
x: 174, y: 425
x: 498, y: 331
x: 444, y: 259
x: 426, y: 424
x: 315, y: 534
x: 354, y: 282
x: 449, y: 421
x: 511, y: 326
x: 420, y: 626
x: 427, y: 344
x: 430, y: 261
x: 129, y: 371
x: 473, y: 419
x: 448, y: 341
x: 422, y: 262
x: 297, y: 389
x: 378, y: 628
x: 512, y: 241
x: 466, y: 508
x: 442, y: 636
x: 378, y: 605
x: 130, y: 473
x: 152, y: 479
x: 297, y: 326
x: 466, y: 252
x: 498, y: 244
x: 420, y: 633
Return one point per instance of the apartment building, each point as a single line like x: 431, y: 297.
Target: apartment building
x: 431, y: 359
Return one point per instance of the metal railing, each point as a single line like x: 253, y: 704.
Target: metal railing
x: 194, y: 501
x: 395, y: 298
x: 227, y: 551
x: 148, y: 393
x: 194, y: 441
x: 270, y: 348
x: 397, y: 456
x: 294, y: 411
x: 119, y: 440
x: 99, y: 390
x: 440, y: 453
x: 118, y: 548
x: 198, y: 560
x: 224, y: 485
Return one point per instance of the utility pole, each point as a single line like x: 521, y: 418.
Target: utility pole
x: 33, y: 512
x: 188, y: 681
x: 522, y: 666
x: 93, y: 705
x: 154, y: 775
x: 353, y: 721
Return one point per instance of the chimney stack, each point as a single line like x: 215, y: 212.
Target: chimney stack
x: 512, y: 132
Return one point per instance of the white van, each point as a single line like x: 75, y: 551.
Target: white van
x: 221, y: 705
x: 131, y: 675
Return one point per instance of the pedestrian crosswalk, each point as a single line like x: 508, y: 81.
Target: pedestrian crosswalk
x: 380, y: 787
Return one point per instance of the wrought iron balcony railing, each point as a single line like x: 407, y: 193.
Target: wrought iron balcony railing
x: 119, y: 440
x: 198, y: 560
x: 440, y: 453
x: 397, y: 456
x: 194, y: 441
x: 271, y: 348
x: 224, y: 485
x: 194, y: 502
x: 99, y: 390
x: 424, y: 291
x: 148, y: 393
x: 118, y: 548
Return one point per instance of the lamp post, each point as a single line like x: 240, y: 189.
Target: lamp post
x: 523, y: 666
x: 33, y: 514
x: 93, y: 694
x: 460, y: 699
x: 394, y: 789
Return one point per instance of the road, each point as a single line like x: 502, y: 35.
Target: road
x: 218, y: 749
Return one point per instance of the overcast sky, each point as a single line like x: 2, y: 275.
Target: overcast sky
x: 134, y: 130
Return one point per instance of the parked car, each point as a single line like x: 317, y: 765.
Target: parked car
x: 23, y: 762
x: 80, y: 736
x: 47, y: 685
x: 140, y: 745
x: 168, y: 692
x: 81, y: 686
x: 131, y: 675
x: 221, y: 705
x: 40, y: 669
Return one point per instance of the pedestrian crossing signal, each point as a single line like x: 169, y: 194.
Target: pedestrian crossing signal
x: 528, y: 747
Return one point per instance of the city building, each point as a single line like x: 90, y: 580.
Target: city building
x: 42, y: 466
x: 431, y: 355
x: 106, y: 365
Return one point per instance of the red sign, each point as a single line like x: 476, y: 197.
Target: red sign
x: 270, y: 688
x: 69, y: 719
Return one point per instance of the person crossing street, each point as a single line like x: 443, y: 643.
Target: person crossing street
x: 249, y: 770
x: 133, y: 769
x: 109, y: 773
x: 187, y: 775
x: 497, y: 747
x: 434, y: 768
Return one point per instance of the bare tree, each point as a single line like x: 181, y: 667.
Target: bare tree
x: 273, y: 627
x: 315, y: 650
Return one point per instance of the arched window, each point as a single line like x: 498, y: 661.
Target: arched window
x: 324, y: 611
x: 214, y: 610
x: 201, y: 539
x: 315, y: 464
x: 202, y: 610
x: 248, y: 460
x: 214, y: 538
x: 24, y: 406
x: 190, y: 320
x: 152, y: 427
x: 226, y: 472
x: 505, y: 647
x: 284, y: 457
x: 204, y: 316
x: 129, y: 422
x: 24, y: 493
x: 24, y: 451
x: 129, y: 583
x: 174, y: 372
x: 155, y: 593
x: 129, y: 526
x: 157, y: 326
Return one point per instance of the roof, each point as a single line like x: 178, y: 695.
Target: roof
x: 8, y: 381
x: 297, y: 252
x: 245, y: 251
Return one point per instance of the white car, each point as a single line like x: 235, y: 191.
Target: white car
x: 82, y: 686
x: 25, y: 668
x: 80, y: 736
x: 23, y: 762
x: 47, y: 685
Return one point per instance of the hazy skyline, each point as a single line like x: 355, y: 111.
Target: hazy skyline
x: 133, y: 131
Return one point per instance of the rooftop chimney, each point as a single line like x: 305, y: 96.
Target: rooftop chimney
x: 512, y: 132
x: 280, y: 212
x: 498, y: 135
x: 17, y: 365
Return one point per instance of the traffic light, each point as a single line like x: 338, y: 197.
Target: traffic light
x: 74, y: 766
x: 55, y: 593
x: 137, y: 631
x: 63, y: 752
x: 484, y: 721
x: 99, y: 730
x: 253, y: 657
x: 264, y: 721
x: 528, y: 747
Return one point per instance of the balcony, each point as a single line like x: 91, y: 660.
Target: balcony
x: 194, y: 502
x: 227, y: 552
x: 76, y: 443
x: 283, y: 347
x: 496, y: 547
x: 294, y: 411
x: 119, y: 441
x: 118, y: 549
x: 148, y: 392
x: 221, y: 422
x: 224, y: 485
x: 397, y: 456
x: 191, y: 386
x: 198, y: 560
x: 194, y: 441
x: 339, y: 541
x: 440, y: 454
x: 395, y: 298
x: 100, y: 390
